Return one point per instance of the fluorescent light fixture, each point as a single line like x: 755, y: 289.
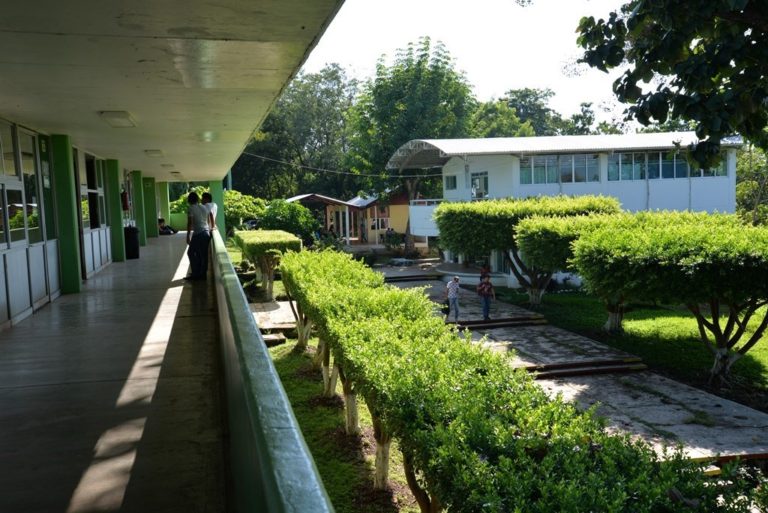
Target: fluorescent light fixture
x: 154, y: 153
x: 117, y: 118
x: 175, y: 172
x: 208, y: 136
x: 167, y: 166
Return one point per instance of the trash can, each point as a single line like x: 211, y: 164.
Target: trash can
x: 131, y: 242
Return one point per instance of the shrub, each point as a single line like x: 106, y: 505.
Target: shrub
x: 265, y: 248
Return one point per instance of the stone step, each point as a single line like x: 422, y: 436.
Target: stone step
x: 274, y: 339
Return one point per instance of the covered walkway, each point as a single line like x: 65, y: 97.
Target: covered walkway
x: 110, y: 400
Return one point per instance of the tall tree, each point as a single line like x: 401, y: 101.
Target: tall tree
x: 752, y: 185
x: 419, y: 96
x: 305, y: 133
x: 703, y: 61
x: 496, y: 118
x: 532, y: 106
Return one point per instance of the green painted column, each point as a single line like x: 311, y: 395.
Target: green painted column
x: 114, y: 209
x: 137, y: 186
x: 150, y: 207
x: 217, y: 192
x: 66, y: 196
x: 165, y: 204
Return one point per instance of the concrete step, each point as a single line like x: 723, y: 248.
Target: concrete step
x: 274, y: 339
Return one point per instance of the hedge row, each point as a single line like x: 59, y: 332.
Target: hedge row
x: 476, y: 435
x: 264, y: 248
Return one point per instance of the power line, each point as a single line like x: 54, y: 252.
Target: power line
x: 334, y: 171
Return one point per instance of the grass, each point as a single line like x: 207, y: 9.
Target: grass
x: 667, y: 339
x: 345, y: 462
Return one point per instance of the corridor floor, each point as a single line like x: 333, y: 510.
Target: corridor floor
x: 110, y: 398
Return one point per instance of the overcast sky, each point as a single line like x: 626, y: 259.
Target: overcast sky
x: 498, y: 44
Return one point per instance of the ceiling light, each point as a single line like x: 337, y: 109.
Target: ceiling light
x: 175, y: 172
x: 208, y: 136
x: 117, y: 118
x: 167, y: 166
x: 154, y: 153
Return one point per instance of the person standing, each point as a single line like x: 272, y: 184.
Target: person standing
x: 452, y: 292
x: 486, y: 292
x: 208, y: 203
x: 199, y: 222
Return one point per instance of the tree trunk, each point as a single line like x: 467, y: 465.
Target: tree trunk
x: 317, y: 361
x: 427, y: 503
x: 267, y: 277
x: 383, y: 441
x: 329, y: 388
x: 534, y: 296
x: 352, y: 419
x: 303, y: 330
x: 721, y: 367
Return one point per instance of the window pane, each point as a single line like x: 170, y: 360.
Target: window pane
x: 638, y: 170
x: 103, y: 210
x: 580, y: 168
x: 681, y: 167
x: 539, y: 170
x: 3, y: 238
x: 16, y: 214
x: 566, y: 168
x: 722, y: 168
x: 85, y: 210
x: 526, y: 174
x: 593, y: 168
x: 31, y: 189
x: 552, y: 169
x: 6, y: 145
x: 450, y: 182
x: 613, y: 167
x: 654, y: 170
x: 626, y: 166
x: 479, y: 185
x: 668, y: 165
x: 50, y: 221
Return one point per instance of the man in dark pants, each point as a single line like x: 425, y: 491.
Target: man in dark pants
x: 199, y: 223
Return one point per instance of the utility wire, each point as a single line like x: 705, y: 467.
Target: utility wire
x: 334, y: 171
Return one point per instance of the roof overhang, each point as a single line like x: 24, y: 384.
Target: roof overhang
x: 430, y: 153
x: 197, y: 77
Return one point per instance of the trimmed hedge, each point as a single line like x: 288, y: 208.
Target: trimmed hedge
x: 264, y: 248
x: 476, y: 435
x: 483, y: 226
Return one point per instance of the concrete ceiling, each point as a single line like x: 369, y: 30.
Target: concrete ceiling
x: 198, y: 77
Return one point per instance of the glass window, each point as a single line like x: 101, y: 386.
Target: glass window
x: 526, y: 173
x: 613, y: 167
x: 3, y: 237
x: 722, y: 168
x: 15, y: 214
x: 681, y: 167
x: 654, y: 165
x: 626, y: 166
x: 450, y: 182
x: 539, y: 170
x: 593, y: 168
x: 8, y: 162
x: 580, y: 168
x: 45, y: 171
x: 566, y: 168
x: 668, y: 165
x: 638, y: 169
x: 31, y: 188
x: 552, y: 169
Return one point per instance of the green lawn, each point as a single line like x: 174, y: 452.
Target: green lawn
x: 345, y: 462
x: 667, y: 339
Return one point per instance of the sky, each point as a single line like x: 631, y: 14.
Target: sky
x: 498, y: 44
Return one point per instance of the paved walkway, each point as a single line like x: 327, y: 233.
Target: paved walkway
x: 643, y: 404
x: 110, y: 399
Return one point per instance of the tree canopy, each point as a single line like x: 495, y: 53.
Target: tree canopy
x: 290, y: 217
x: 703, y: 61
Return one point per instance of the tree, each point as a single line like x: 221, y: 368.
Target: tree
x: 703, y: 61
x: 290, y: 217
x: 714, y: 265
x: 303, y: 136
x: 265, y: 248
x: 419, y: 96
x: 532, y: 106
x: 239, y: 207
x: 496, y: 118
x: 752, y: 185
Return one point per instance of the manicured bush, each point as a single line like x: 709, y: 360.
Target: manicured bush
x: 476, y: 435
x: 483, y: 226
x: 265, y: 247
x: 714, y: 265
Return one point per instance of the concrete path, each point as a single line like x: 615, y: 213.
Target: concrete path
x: 110, y: 399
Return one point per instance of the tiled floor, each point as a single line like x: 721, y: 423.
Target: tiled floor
x: 110, y: 399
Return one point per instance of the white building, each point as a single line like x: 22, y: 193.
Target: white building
x: 643, y: 171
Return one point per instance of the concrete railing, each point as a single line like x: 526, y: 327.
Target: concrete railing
x: 272, y: 470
